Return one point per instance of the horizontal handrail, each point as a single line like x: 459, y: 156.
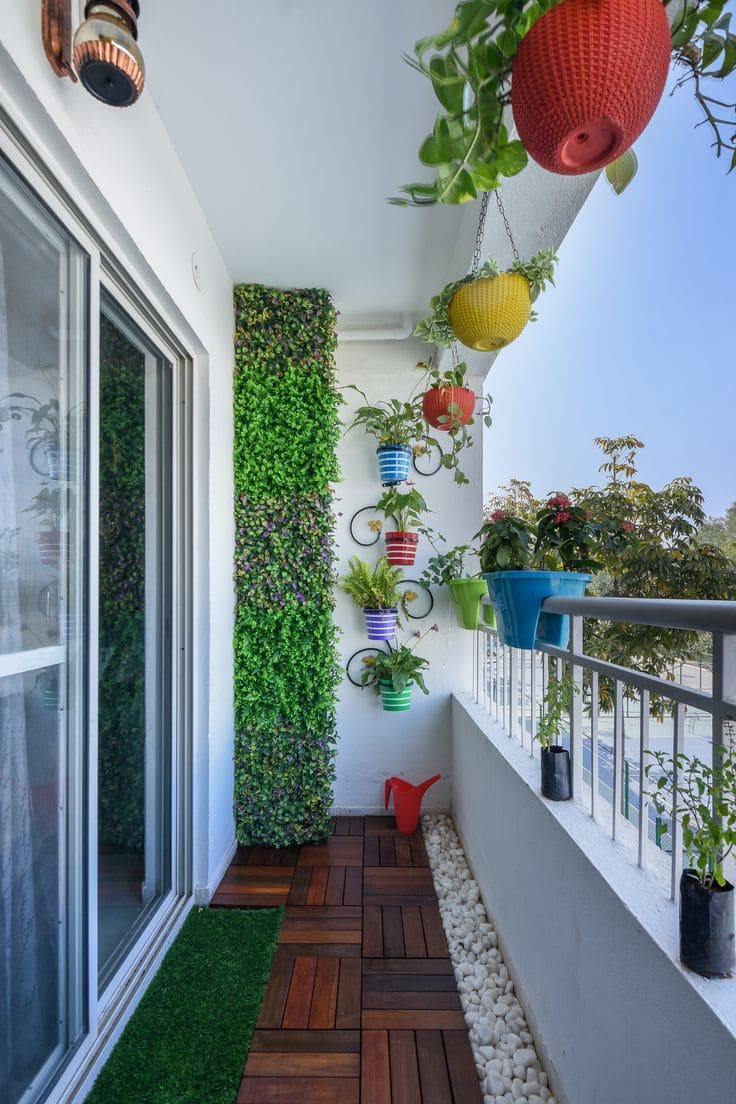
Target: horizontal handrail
x: 670, y: 613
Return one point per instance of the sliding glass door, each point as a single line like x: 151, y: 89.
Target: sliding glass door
x: 94, y: 759
x: 134, y: 731
x: 43, y: 418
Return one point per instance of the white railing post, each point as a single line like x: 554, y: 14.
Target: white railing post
x: 618, y: 756
x: 643, y: 759
x: 678, y: 746
x: 594, y: 783
x: 576, y: 709
x: 514, y: 694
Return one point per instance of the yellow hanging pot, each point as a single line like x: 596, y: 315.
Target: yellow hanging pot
x: 491, y: 312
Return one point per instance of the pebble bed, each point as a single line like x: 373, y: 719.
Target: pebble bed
x: 506, y: 1059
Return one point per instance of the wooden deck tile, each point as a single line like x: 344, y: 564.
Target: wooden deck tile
x: 375, y: 1085
x: 404, y: 1071
x: 361, y: 1005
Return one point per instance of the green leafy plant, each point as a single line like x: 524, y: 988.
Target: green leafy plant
x: 46, y: 506
x: 444, y: 567
x: 400, y: 665
x: 469, y: 65
x: 703, y: 798
x: 505, y: 543
x: 374, y: 587
x: 563, y: 537
x: 286, y: 429
x: 539, y: 270
x: 43, y: 417
x: 407, y: 508
x: 458, y: 431
x: 558, y: 700
x: 391, y: 422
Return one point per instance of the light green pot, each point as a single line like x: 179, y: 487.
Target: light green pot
x: 394, y: 701
x: 466, y: 595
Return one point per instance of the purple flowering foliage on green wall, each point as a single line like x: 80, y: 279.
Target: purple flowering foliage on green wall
x: 286, y: 663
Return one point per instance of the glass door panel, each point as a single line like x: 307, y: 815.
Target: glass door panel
x: 43, y: 308
x: 134, y: 832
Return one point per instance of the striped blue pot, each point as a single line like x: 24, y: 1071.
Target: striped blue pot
x: 394, y: 701
x: 394, y: 462
x: 380, y: 624
x: 517, y: 598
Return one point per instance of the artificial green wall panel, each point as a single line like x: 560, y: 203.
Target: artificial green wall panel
x: 286, y: 664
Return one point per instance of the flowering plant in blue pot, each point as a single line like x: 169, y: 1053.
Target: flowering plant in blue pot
x: 524, y: 564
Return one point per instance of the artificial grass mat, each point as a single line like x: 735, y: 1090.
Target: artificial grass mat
x: 187, y: 1041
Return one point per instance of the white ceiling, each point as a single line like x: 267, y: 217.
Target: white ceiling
x: 294, y: 120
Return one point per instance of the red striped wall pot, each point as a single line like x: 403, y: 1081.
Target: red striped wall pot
x: 401, y: 548
x: 436, y: 403
x: 586, y: 80
x: 49, y: 546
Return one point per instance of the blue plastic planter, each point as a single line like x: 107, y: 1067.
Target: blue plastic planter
x: 393, y: 462
x: 517, y: 598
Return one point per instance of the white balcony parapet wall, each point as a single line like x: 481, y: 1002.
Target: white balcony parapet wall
x: 580, y: 894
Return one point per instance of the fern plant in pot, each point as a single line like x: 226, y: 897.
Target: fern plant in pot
x: 703, y: 799
x: 399, y: 429
x: 395, y: 672
x: 451, y: 569
x: 376, y: 591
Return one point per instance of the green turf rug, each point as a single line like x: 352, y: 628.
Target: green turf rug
x: 187, y: 1041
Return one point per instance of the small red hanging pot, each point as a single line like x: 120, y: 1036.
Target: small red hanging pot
x: 401, y: 548
x: 436, y: 405
x: 586, y: 80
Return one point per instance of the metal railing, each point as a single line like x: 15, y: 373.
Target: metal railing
x: 609, y: 748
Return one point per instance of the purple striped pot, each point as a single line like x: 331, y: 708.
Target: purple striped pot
x: 380, y: 624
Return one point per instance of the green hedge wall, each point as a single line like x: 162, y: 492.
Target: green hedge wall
x: 286, y: 663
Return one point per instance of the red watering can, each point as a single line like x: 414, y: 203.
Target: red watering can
x: 407, y: 801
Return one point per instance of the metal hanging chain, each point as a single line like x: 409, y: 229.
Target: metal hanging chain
x: 502, y: 213
x: 479, y: 234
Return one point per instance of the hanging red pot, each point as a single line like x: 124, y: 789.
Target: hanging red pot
x: 401, y: 548
x: 586, y: 80
x: 436, y: 405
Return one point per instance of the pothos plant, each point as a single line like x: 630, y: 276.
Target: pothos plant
x: 703, y: 798
x: 469, y: 66
x: 445, y: 567
x: 539, y: 270
x: 458, y: 429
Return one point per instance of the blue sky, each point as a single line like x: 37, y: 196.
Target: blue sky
x: 639, y: 334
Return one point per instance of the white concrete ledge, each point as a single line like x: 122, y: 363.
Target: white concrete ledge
x: 589, y: 937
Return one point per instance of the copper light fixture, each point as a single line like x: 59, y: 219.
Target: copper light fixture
x: 106, y: 54
x: 56, y: 28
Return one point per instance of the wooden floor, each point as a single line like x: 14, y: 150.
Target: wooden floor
x: 361, y: 1005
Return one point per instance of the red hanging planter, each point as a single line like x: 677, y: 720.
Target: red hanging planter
x: 401, y: 548
x: 586, y: 81
x: 437, y: 401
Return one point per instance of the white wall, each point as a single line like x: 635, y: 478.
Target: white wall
x: 120, y: 168
x: 416, y: 744
x: 590, y: 939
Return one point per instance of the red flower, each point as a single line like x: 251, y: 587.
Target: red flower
x: 587, y: 515
x: 561, y: 517
x: 499, y: 515
x: 558, y: 502
x: 628, y: 526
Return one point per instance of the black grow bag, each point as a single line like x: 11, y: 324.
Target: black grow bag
x: 707, y: 943
x: 556, y: 784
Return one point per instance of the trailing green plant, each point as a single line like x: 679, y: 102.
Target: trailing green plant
x: 391, y: 422
x: 444, y: 567
x: 286, y: 664
x: 458, y: 431
x: 539, y: 270
x: 400, y: 665
x: 703, y: 798
x: 558, y: 698
x: 374, y: 587
x: 469, y: 66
